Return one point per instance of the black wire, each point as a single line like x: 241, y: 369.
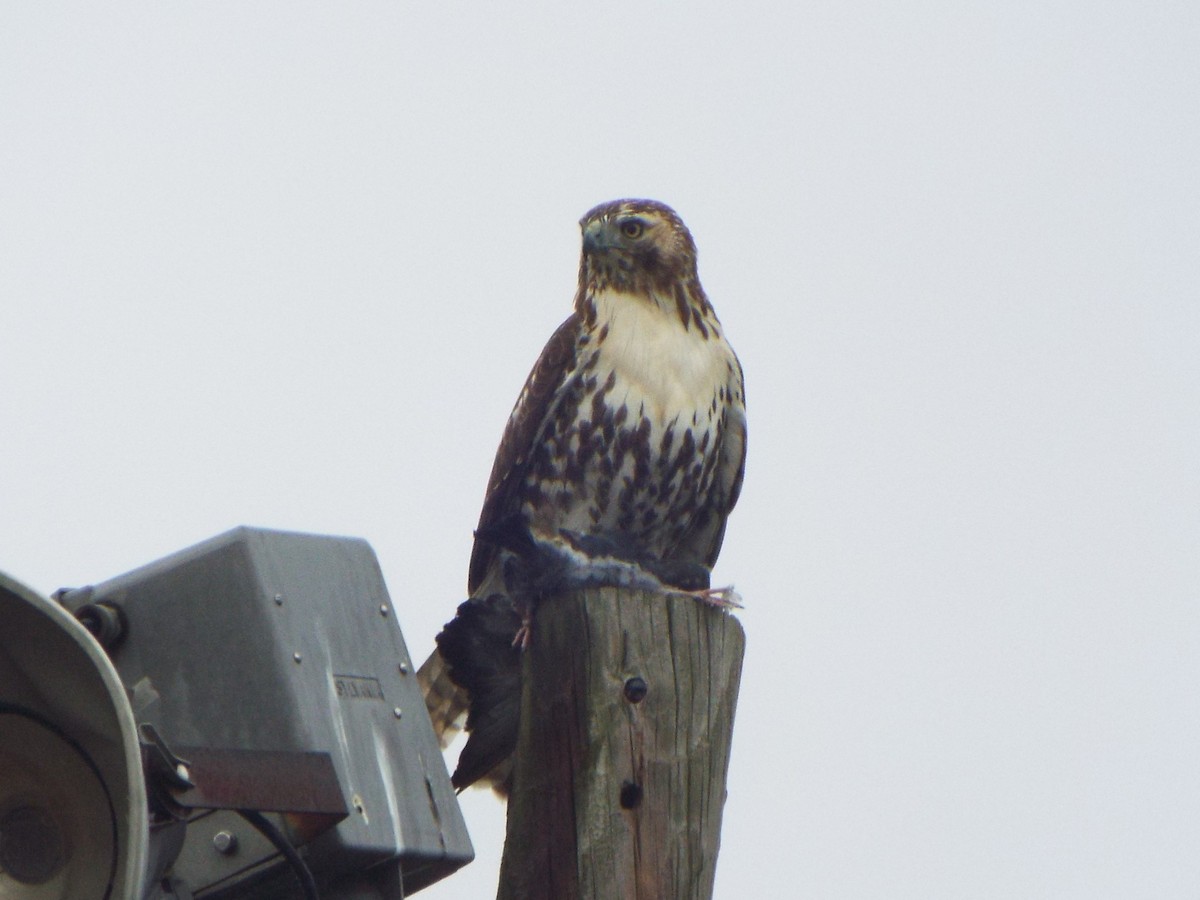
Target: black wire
x: 307, y: 883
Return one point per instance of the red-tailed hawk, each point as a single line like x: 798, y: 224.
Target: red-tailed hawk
x: 622, y: 458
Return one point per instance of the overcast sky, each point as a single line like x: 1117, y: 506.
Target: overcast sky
x: 288, y: 264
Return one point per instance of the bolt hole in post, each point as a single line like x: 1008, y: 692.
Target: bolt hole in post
x: 636, y: 689
x: 631, y: 795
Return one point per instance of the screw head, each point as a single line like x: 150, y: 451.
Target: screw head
x: 279, y: 599
x: 383, y: 609
x: 397, y: 712
x: 296, y: 656
x: 403, y: 668
x: 225, y: 842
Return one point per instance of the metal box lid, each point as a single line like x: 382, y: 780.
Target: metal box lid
x: 272, y: 641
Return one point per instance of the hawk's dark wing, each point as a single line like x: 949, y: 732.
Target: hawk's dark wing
x: 526, y: 424
x: 702, y: 541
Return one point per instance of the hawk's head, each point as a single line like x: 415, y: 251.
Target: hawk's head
x: 637, y: 247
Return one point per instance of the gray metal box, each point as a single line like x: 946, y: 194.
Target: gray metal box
x: 276, y: 641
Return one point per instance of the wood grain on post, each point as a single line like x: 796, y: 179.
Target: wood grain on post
x: 626, y: 722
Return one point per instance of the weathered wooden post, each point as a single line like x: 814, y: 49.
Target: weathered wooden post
x: 626, y: 722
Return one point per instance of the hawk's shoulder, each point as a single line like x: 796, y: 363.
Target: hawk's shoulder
x: 533, y: 408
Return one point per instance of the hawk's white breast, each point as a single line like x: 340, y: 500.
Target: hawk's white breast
x: 667, y: 371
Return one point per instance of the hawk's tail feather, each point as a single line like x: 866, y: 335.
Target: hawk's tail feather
x: 446, y: 702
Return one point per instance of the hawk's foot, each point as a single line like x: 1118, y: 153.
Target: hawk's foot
x: 523, y: 636
x: 725, y: 598
x: 525, y: 633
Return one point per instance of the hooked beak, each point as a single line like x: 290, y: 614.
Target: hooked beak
x: 597, y: 236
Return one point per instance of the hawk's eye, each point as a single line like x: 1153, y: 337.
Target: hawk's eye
x: 632, y: 228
